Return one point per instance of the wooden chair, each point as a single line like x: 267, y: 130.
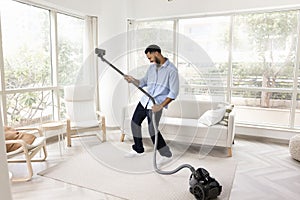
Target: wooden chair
x: 28, y: 151
x: 82, y: 116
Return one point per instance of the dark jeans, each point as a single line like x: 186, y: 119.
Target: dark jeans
x: 138, y: 117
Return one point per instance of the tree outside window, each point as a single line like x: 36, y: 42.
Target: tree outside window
x: 264, y: 50
x: 263, y: 65
x: 29, y: 89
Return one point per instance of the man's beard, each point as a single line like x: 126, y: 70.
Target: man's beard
x: 157, y: 61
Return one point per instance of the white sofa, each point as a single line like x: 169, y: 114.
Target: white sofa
x: 180, y: 122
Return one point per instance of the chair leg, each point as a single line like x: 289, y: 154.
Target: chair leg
x: 45, y: 152
x: 29, y: 169
x: 68, y: 132
x: 29, y: 166
x: 122, y: 137
x: 32, y: 154
x: 229, y: 150
x: 104, y: 129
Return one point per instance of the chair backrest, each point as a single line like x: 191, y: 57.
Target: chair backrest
x: 80, y: 103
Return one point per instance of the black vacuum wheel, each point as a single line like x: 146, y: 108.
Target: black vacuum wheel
x: 198, y: 192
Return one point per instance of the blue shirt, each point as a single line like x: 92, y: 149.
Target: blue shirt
x: 161, y: 83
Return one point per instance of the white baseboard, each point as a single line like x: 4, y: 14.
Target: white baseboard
x: 265, y: 132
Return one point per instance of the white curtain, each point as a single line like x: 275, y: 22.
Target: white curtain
x: 90, y: 58
x: 89, y: 45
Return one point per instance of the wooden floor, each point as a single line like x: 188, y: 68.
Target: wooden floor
x: 265, y: 171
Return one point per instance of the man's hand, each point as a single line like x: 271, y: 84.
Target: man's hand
x: 157, y: 107
x: 130, y: 79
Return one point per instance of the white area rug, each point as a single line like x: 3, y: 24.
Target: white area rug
x: 104, y: 168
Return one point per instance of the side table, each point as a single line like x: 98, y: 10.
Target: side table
x: 55, y: 126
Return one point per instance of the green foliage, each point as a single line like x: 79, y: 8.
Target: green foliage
x: 70, y: 62
x: 272, y: 38
x: 29, y: 69
x: 269, y: 35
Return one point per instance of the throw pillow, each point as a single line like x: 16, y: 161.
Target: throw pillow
x: 212, y: 117
x: 224, y: 121
x: 12, y: 134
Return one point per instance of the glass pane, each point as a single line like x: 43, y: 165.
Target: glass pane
x: 249, y: 111
x: 26, y: 46
x: 29, y: 108
x: 70, y: 48
x: 195, y: 83
x: 151, y: 32
x: 62, y: 108
x: 264, y: 49
x: 207, y: 63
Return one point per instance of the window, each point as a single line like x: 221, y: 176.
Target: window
x: 263, y: 57
x: 70, y: 48
x: 248, y: 59
x: 205, y: 75
x: 27, y: 62
x: 26, y: 46
x: 141, y: 35
x: 31, y: 79
x: 26, y: 108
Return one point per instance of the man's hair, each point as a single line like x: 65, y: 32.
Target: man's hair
x: 152, y: 48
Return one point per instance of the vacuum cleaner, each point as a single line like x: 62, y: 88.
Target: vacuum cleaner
x: 202, y: 185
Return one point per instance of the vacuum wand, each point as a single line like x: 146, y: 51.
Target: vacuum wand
x: 101, y: 53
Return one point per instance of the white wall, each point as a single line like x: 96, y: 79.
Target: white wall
x: 112, y: 38
x: 163, y: 8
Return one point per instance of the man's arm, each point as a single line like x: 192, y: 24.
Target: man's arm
x: 158, y: 107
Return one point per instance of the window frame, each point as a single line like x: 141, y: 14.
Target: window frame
x: 55, y: 87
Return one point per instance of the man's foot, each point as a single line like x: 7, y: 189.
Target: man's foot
x: 133, y: 153
x: 163, y: 160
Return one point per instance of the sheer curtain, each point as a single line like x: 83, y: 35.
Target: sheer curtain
x: 90, y: 58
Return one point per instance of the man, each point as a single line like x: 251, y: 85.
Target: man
x: 162, y: 82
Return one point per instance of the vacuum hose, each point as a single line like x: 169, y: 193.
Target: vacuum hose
x: 155, y: 148
x: 201, y: 184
